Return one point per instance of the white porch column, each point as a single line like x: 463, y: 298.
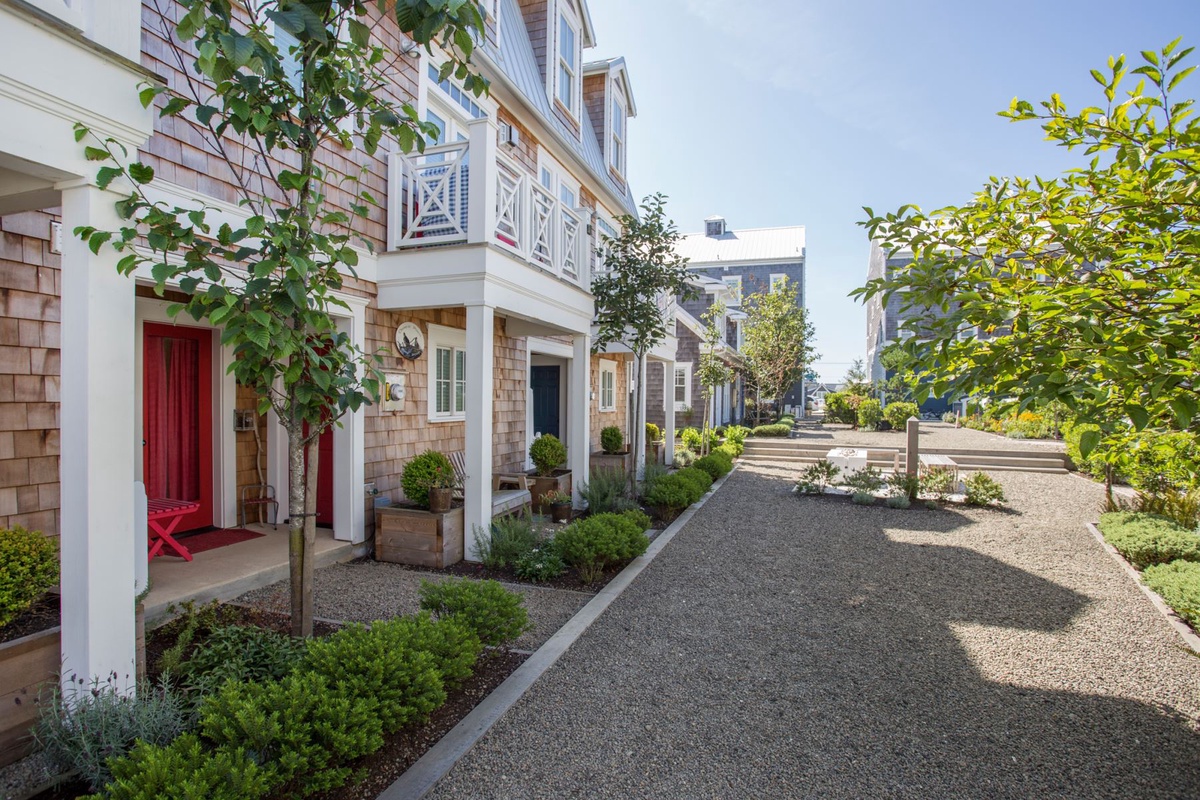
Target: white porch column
x: 579, y: 418
x: 640, y: 422
x: 98, y: 451
x: 481, y: 191
x: 477, y: 492
x: 669, y: 412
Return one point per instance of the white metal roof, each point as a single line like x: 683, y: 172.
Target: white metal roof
x: 754, y: 244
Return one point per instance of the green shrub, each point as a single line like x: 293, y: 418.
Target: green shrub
x: 1072, y: 433
x: 301, y: 729
x: 420, y: 472
x: 870, y: 414
x: 511, y: 538
x: 842, y: 407
x: 671, y: 494
x: 1160, y: 461
x: 28, y: 567
x: 691, y: 439
x: 867, y: 479
x: 242, y: 653
x: 816, y: 477
x: 697, y: 478
x: 540, y: 565
x: 186, y: 770
x: 736, y: 434
x: 1183, y: 507
x: 1145, y: 539
x: 772, y: 430
x: 940, y: 483
x: 547, y: 453
x: 863, y: 498
x: 950, y: 418
x: 602, y: 540
x: 981, y: 490
x: 91, y: 724
x: 684, y: 457
x: 190, y: 623
x: 901, y: 483
x: 651, y: 474
x: 608, y: 490
x: 898, y: 501
x: 731, y: 449
x: 494, y: 613
x: 710, y: 439
x: 611, y: 439
x: 715, y: 465
x: 653, y: 432
x: 897, y: 414
x: 1179, y: 585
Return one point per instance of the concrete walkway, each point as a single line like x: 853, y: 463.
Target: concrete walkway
x: 788, y: 647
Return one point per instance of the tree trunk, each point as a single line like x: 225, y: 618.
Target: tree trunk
x: 296, y: 510
x: 638, y: 435
x: 704, y: 426
x: 310, y: 535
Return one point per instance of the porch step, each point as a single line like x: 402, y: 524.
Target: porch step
x: 1048, y: 461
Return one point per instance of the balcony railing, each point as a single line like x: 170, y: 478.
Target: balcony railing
x: 469, y: 192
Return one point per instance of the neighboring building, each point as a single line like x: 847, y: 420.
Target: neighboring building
x: 816, y: 393
x: 499, y: 289
x: 749, y: 261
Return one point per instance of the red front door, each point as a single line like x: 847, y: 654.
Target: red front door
x: 324, y: 477
x: 177, y: 454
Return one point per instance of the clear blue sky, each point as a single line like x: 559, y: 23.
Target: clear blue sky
x: 794, y: 112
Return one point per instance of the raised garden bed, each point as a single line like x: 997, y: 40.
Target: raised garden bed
x: 419, y: 537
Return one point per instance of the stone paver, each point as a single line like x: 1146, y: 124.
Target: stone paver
x: 789, y: 647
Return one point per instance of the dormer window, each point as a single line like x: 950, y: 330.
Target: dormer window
x: 567, y: 76
x: 714, y: 226
x: 616, y: 158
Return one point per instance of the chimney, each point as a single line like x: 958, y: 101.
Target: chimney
x: 714, y: 226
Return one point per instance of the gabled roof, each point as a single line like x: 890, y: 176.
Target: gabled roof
x: 754, y: 244
x: 517, y: 61
x: 609, y: 65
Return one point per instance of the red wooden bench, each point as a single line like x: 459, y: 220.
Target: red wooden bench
x: 163, y: 518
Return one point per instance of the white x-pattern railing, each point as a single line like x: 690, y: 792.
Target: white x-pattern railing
x: 530, y: 221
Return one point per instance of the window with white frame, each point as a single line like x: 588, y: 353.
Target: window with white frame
x: 616, y: 156
x: 557, y: 180
x: 683, y: 386
x: 608, y: 386
x: 776, y: 279
x: 567, y: 74
x: 447, y: 348
x: 734, y: 282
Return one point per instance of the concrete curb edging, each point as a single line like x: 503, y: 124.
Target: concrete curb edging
x: 437, y: 762
x: 1190, y: 639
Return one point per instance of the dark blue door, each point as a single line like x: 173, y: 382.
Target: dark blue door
x: 544, y: 383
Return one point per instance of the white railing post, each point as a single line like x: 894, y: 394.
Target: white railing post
x: 481, y: 191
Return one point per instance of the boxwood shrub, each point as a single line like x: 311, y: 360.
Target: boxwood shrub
x: 494, y: 613
x: 715, y: 464
x: 1179, y: 584
x: 28, y: 567
x: 897, y: 414
x: 603, y: 540
x: 420, y: 472
x: 1146, y: 539
x: 779, y: 430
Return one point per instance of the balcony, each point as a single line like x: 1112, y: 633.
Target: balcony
x: 469, y: 192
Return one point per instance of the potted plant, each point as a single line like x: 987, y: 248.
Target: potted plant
x: 560, y: 505
x: 425, y: 530
x: 29, y: 657
x: 613, y: 455
x: 548, y: 454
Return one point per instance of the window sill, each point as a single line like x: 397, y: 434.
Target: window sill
x: 436, y: 420
x: 608, y: 410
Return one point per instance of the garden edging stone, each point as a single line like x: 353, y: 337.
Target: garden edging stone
x: 437, y: 762
x: 1190, y: 639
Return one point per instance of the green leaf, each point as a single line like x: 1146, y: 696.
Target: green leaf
x: 1088, y: 442
x: 141, y: 173
x: 96, y: 154
x: 1138, y: 415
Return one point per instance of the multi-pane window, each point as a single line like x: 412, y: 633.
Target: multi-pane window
x: 608, y: 386
x: 618, y: 135
x: 462, y: 98
x: 568, y: 60
x: 683, y: 386
x: 734, y: 282
x: 448, y: 374
x: 777, y: 279
x: 288, y: 46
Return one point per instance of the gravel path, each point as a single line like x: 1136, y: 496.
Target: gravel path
x: 933, y: 434
x: 801, y: 647
x: 363, y: 591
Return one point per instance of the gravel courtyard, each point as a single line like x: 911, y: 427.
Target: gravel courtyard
x: 796, y: 647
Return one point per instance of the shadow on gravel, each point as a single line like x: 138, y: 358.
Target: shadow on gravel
x: 876, y: 692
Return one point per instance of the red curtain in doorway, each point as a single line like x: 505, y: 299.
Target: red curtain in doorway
x: 171, y: 376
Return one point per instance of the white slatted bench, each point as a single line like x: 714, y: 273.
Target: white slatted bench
x: 934, y: 461
x: 510, y: 491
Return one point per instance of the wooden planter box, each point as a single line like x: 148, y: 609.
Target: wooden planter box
x: 612, y: 461
x: 25, y: 665
x: 417, y: 537
x: 540, y: 486
x: 654, y: 452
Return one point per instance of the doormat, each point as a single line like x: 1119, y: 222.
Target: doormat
x: 211, y: 540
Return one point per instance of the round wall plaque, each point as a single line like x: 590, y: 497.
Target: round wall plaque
x: 410, y: 342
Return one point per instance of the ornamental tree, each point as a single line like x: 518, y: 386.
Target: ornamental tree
x: 268, y: 279
x: 640, y: 275
x: 777, y: 341
x: 712, y: 371
x: 1082, y: 289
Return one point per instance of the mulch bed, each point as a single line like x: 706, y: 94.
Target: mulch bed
x: 400, y: 750
x: 569, y: 580
x: 42, y: 615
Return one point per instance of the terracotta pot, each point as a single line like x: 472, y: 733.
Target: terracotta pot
x: 560, y: 512
x: 439, y: 500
